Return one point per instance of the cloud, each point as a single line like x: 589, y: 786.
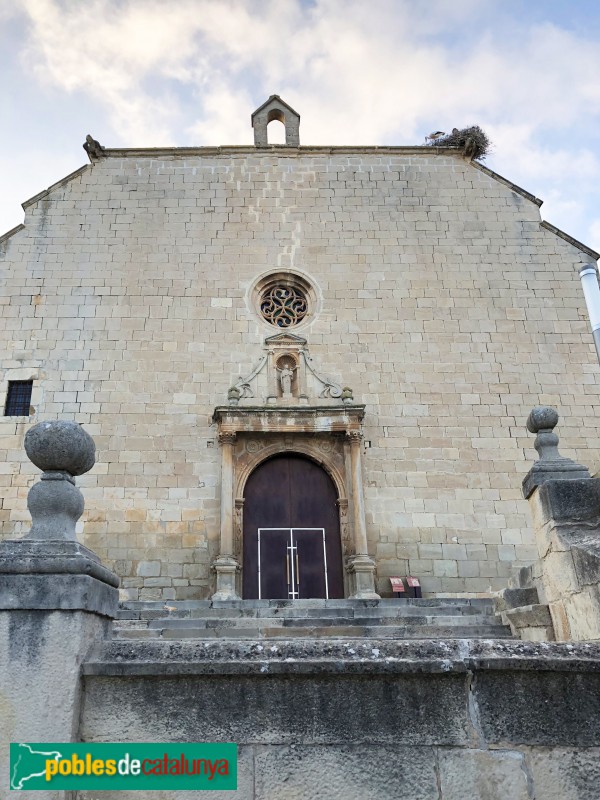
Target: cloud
x: 377, y: 70
x: 385, y: 72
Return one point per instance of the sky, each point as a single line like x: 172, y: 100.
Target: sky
x: 149, y: 73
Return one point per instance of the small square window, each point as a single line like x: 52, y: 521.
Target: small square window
x: 18, y: 399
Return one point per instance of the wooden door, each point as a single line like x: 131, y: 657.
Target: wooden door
x: 293, y: 501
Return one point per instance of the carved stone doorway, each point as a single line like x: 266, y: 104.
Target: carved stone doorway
x: 291, y: 533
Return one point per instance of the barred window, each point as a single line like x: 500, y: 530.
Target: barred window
x: 18, y: 399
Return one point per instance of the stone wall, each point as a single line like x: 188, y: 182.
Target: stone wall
x: 566, y: 518
x: 441, y: 301
x: 445, y: 720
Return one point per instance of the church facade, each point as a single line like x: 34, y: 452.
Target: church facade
x: 306, y: 369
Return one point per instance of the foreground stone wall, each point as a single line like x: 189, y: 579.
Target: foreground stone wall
x: 441, y: 301
x: 567, y: 525
x: 452, y: 720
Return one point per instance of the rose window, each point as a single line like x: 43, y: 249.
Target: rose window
x: 283, y: 306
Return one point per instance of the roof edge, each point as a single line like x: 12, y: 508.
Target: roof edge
x: 61, y: 182
x: 11, y: 232
x: 570, y: 239
x: 518, y: 189
x: 280, y: 149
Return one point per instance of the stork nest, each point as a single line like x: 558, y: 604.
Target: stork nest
x: 473, y: 142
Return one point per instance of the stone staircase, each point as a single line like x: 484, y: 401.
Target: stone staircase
x: 442, y: 618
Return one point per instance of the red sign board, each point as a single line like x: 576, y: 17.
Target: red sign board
x: 413, y: 582
x: 397, y: 585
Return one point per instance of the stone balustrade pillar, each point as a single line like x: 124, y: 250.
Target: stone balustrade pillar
x: 56, y: 602
x: 565, y: 506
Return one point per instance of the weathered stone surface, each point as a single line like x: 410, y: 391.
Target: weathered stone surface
x: 60, y: 445
x: 345, y: 773
x: 565, y: 774
x: 338, y: 657
x: 538, y: 708
x: 55, y: 575
x: 40, y: 660
x: 529, y: 616
x: 258, y: 710
x: 571, y: 500
x: 29, y: 556
x: 65, y: 592
x: 515, y: 598
x: 483, y: 775
x: 148, y: 569
x: 586, y: 557
x: 582, y: 611
x: 55, y: 505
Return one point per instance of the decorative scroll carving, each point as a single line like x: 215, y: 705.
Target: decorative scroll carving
x: 330, y: 387
x: 242, y: 388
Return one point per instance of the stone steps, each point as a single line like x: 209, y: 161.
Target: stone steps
x: 333, y: 631
x: 283, y: 619
x: 304, y: 608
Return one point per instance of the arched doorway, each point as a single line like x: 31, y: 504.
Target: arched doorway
x: 291, y: 536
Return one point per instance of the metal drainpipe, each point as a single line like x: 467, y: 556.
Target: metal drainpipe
x: 591, y: 291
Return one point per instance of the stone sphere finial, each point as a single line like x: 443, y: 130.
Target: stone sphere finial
x: 61, y: 449
x: 542, y: 418
x: 551, y: 466
x: 60, y: 446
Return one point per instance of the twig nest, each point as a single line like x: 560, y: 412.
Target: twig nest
x: 60, y: 445
x: 542, y: 418
x: 473, y: 142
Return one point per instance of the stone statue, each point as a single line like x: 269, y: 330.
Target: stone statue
x: 286, y: 376
x: 93, y: 147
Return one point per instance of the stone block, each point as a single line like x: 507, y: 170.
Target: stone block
x: 252, y: 710
x: 565, y: 774
x: 583, y: 613
x: 513, y: 598
x: 536, y: 616
x: 483, y: 775
x: 559, y: 576
x: 539, y: 708
x: 148, y: 569
x: 570, y: 500
x: 345, y: 773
